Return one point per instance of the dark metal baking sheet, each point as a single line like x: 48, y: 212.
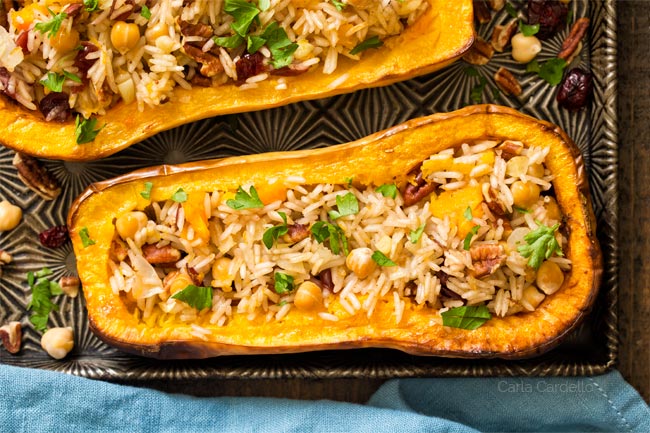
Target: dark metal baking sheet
x: 591, y: 349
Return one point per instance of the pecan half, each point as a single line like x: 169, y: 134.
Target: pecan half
x: 501, y: 35
x: 481, y: 11
x: 210, y: 64
x: 572, y: 44
x: 486, y: 258
x: 70, y: 285
x: 199, y: 29
x: 509, y: 149
x: 414, y: 192
x: 36, y: 177
x: 507, y: 82
x: 480, y: 53
x: 297, y: 232
x: 11, y: 336
x: 160, y: 255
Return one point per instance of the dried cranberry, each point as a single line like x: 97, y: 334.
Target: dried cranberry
x: 55, y: 107
x: 249, y: 65
x: 575, y: 90
x: 54, y: 237
x: 80, y: 60
x: 550, y: 15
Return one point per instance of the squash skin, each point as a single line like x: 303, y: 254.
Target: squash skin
x: 439, y: 37
x: 396, y: 151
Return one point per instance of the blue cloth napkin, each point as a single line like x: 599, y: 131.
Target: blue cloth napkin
x: 43, y: 401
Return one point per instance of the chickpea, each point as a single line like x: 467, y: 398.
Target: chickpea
x: 156, y: 31
x: 553, y: 211
x: 130, y: 223
x: 65, y: 40
x: 549, y: 277
x: 124, y: 36
x: 176, y: 281
x: 165, y: 43
x: 536, y: 170
x: 525, y: 48
x: 10, y: 216
x: 221, y: 276
x: 308, y: 296
x: 360, y: 262
x: 58, y: 342
x: 516, y: 166
x: 532, y: 296
x: 524, y: 194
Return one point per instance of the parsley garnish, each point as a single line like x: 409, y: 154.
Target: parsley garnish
x: 42, y: 291
x: 273, y: 234
x: 145, y: 12
x: 283, y: 283
x: 86, y: 240
x: 347, y: 205
x: 244, y: 14
x: 84, y: 130
x: 569, y: 18
x: 229, y: 42
x: 381, y: 259
x: 245, y: 200
x: 72, y: 77
x: 476, y: 93
x: 373, y: 42
x: 91, y: 5
x: 511, y: 10
x: 254, y: 43
x: 51, y: 28
x: 468, y: 214
x: 388, y: 190
x: 195, y: 296
x: 53, y: 81
x: 339, y: 5
x: 520, y: 209
x: 551, y: 71
x: 471, y: 71
x: 415, y: 235
x: 280, y: 45
x: 540, y: 245
x: 467, y: 317
x: 323, y: 230
x: 180, y: 196
x: 528, y: 29
x: 468, y: 238
x: 348, y: 181
x: 146, y: 193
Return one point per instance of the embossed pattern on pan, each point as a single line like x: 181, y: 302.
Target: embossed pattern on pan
x: 592, y: 349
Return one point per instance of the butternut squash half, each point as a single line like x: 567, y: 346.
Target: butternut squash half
x: 383, y: 158
x: 439, y: 37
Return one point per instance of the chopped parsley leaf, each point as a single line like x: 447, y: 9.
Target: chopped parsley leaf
x: 51, y: 28
x: 520, y: 209
x: 273, y: 234
x: 53, y: 81
x: 42, y: 291
x: 195, y: 296
x: 146, y: 193
x: 180, y: 196
x: 280, y: 45
x: 476, y: 94
x: 540, y: 245
x: 145, y: 12
x: 381, y: 259
x: 85, y: 130
x: 244, y: 14
x: 551, y: 71
x: 254, y: 43
x: 264, y: 4
x: 468, y: 238
x: 245, y: 200
x: 91, y: 5
x: 339, y: 5
x: 468, y: 214
x: 415, y: 235
x: 323, y: 231
x: 511, y: 10
x: 229, y: 41
x: 528, y: 29
x: 347, y: 205
x: 373, y: 42
x: 388, y: 190
x: 72, y: 77
x: 466, y: 317
x: 471, y: 71
x: 283, y: 283
x: 86, y: 240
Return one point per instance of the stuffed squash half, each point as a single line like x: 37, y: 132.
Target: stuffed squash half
x: 80, y: 81
x: 468, y: 234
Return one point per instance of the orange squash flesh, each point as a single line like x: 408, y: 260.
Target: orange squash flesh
x: 374, y: 160
x: 439, y: 37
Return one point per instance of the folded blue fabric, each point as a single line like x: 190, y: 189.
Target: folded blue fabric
x: 42, y: 401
